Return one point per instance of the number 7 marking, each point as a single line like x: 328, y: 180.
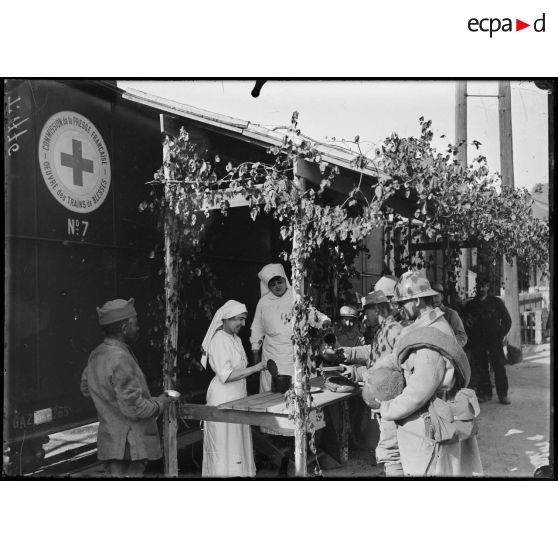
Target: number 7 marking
x: 86, y: 224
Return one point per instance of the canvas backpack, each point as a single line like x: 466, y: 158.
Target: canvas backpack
x: 455, y: 420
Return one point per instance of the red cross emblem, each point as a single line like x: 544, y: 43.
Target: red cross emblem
x: 76, y: 162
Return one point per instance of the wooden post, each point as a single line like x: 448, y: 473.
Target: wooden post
x: 298, y: 378
x: 445, y: 261
x: 300, y: 431
x: 335, y: 294
x: 409, y: 242
x: 170, y: 425
x: 461, y: 136
x: 344, y: 432
x: 506, y: 168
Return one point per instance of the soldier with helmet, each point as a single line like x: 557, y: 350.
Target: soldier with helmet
x: 386, y: 284
x: 377, y: 310
x: 348, y: 329
x: 435, y: 369
x: 379, y: 314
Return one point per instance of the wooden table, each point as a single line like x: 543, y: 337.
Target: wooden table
x: 270, y: 410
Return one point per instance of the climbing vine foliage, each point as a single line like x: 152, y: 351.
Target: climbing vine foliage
x: 455, y: 204
x: 447, y: 203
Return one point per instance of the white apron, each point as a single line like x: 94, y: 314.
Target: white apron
x: 272, y: 329
x: 277, y: 343
x: 227, y: 447
x: 272, y: 323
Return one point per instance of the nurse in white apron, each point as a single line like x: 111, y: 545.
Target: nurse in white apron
x: 271, y: 330
x: 227, y: 447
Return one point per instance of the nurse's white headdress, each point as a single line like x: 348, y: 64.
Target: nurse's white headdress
x: 230, y: 309
x: 267, y: 273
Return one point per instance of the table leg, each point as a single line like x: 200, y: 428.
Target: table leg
x: 344, y: 432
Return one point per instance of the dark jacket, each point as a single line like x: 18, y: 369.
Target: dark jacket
x: 487, y: 321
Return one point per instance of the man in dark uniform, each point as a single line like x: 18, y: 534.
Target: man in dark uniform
x: 488, y: 322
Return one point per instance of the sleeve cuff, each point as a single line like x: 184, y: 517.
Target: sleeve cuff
x: 360, y: 372
x: 157, y: 408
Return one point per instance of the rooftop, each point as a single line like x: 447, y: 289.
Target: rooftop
x: 333, y: 154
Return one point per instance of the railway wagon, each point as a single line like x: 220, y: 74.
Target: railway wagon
x: 78, y: 155
x: 75, y: 159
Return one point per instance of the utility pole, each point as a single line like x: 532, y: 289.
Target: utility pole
x: 461, y: 120
x: 461, y: 138
x: 511, y: 285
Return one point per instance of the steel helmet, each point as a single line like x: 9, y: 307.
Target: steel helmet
x: 348, y: 312
x: 375, y: 297
x: 386, y: 284
x: 412, y: 285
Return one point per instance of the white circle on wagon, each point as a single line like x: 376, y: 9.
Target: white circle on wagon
x: 74, y: 161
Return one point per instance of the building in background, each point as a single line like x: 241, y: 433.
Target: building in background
x: 534, y: 284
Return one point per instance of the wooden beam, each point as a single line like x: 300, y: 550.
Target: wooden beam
x: 342, y: 184
x: 194, y: 411
x: 439, y: 245
x: 234, y: 199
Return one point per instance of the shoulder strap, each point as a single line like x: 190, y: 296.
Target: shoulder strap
x: 433, y: 338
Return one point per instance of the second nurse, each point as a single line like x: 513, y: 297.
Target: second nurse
x: 271, y: 329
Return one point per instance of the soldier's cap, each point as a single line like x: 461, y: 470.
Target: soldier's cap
x: 438, y: 287
x: 375, y: 297
x: 115, y: 311
x: 348, y: 312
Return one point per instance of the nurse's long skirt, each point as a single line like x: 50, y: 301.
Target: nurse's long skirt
x: 227, y: 447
